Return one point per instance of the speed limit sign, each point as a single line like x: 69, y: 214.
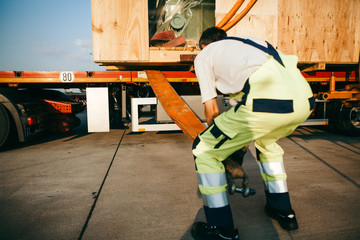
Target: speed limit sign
x: 67, y: 77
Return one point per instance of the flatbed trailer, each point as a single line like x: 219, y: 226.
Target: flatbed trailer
x: 127, y: 90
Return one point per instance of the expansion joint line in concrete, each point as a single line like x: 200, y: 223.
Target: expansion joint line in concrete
x: 101, y: 186
x: 326, y: 163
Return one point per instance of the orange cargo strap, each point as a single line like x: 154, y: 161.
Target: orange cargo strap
x: 174, y: 105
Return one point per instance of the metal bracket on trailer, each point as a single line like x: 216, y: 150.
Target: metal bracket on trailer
x: 137, y: 127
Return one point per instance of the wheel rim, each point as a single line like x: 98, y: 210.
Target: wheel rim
x: 355, y: 117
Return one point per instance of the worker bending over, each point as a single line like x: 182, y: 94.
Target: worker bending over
x: 271, y: 98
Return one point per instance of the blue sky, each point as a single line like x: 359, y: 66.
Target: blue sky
x: 46, y: 35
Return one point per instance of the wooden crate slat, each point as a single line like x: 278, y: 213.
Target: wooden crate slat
x: 120, y: 30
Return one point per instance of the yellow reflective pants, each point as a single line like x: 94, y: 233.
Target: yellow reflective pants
x: 273, y: 103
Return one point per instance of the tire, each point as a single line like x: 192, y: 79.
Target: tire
x: 350, y: 120
x: 5, y: 126
x: 345, y: 120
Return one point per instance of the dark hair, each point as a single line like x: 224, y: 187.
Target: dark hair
x: 210, y: 35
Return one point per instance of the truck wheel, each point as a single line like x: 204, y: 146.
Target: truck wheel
x: 4, y: 125
x: 350, y: 120
x: 344, y: 120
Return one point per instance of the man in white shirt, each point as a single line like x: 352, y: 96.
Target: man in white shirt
x: 271, y: 100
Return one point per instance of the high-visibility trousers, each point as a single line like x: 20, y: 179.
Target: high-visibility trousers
x: 274, y: 102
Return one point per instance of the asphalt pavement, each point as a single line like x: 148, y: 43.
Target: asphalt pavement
x: 123, y: 185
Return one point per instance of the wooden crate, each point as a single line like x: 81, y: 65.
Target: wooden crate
x: 316, y: 31
x: 120, y: 30
x: 121, y: 36
x: 321, y: 31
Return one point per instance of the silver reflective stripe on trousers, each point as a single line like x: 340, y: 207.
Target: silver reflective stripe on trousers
x: 217, y: 200
x: 276, y: 186
x: 272, y: 168
x: 211, y: 179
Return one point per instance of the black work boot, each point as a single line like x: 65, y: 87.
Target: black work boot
x: 203, y: 231
x: 286, y: 218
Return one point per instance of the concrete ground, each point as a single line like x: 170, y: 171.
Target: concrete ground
x: 123, y: 185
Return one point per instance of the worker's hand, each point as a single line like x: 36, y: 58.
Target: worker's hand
x: 234, y: 168
x: 211, y: 110
x: 233, y: 163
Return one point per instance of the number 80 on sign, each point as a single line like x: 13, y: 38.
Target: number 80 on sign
x: 67, y: 77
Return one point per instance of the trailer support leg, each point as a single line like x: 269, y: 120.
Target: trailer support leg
x: 123, y: 102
